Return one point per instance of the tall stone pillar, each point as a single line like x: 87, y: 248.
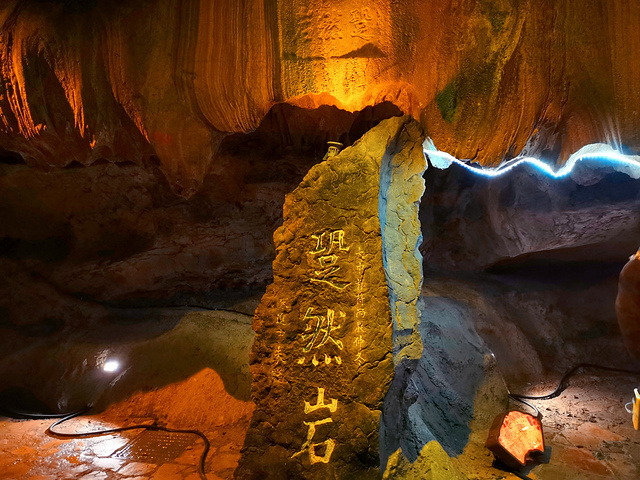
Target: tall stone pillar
x: 322, y: 359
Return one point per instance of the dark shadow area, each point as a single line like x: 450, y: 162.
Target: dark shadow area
x: 471, y: 222
x: 433, y: 398
x: 10, y: 158
x: 572, y: 275
x: 105, y: 260
x: 63, y: 369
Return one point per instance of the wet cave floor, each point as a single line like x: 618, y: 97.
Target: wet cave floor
x: 589, y: 434
x: 190, y: 371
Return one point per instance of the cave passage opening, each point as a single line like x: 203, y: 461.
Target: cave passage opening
x: 541, y: 247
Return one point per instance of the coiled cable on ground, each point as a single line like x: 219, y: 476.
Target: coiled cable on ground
x: 63, y: 417
x: 564, y: 383
x: 203, y: 457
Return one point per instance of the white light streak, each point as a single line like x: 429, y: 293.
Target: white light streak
x: 599, y: 152
x: 111, y: 366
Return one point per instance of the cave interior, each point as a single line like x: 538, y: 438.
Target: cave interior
x: 181, y: 250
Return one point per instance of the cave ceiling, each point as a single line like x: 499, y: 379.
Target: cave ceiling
x: 487, y: 79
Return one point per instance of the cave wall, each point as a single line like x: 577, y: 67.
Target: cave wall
x: 472, y: 222
x: 487, y: 79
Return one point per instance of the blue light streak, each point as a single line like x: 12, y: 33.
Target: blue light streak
x: 598, y: 152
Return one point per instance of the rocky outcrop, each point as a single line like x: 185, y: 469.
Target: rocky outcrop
x: 488, y: 79
x: 344, y: 316
x: 472, y: 222
x: 322, y: 357
x: 441, y: 404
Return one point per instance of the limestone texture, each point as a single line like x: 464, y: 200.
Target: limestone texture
x: 440, y: 402
x: 76, y: 241
x: 471, y: 222
x: 322, y: 357
x: 488, y: 79
x: 402, y: 187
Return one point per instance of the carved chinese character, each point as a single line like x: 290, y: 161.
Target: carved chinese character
x: 303, y: 22
x: 332, y: 406
x: 308, y: 445
x: 328, y: 26
x: 329, y: 445
x: 320, y: 333
x: 359, y: 18
x: 278, y: 356
x: 325, y: 253
x: 335, y: 243
x: 315, y: 362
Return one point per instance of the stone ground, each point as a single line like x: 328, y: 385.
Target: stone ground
x: 26, y: 452
x: 191, y: 381
x: 589, y: 434
x: 192, y: 373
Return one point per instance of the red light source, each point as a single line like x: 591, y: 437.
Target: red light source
x: 514, y: 437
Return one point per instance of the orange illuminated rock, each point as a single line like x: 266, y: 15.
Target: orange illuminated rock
x: 126, y: 80
x: 514, y: 437
x: 321, y: 362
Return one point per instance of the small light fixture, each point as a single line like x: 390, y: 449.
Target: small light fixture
x: 334, y: 149
x: 111, y: 366
x: 514, y: 437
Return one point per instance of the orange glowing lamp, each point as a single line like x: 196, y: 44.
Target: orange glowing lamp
x: 514, y: 437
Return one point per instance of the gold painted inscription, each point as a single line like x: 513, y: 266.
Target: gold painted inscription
x: 325, y: 255
x: 329, y: 444
x: 320, y: 333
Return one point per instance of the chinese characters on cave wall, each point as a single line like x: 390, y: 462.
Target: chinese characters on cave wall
x: 343, y: 43
x: 331, y: 24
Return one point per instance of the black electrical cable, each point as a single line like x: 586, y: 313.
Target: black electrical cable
x: 203, y: 457
x: 562, y: 386
x: 564, y: 383
x: 531, y: 406
x: 63, y: 417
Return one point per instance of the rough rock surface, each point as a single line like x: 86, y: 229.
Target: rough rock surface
x: 401, y: 188
x: 487, y: 78
x: 471, y: 222
x: 436, y: 402
x: 322, y: 358
x: 345, y: 279
x: 73, y: 241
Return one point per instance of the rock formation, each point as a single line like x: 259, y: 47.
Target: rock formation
x: 146, y: 148
x: 472, y: 222
x: 488, y: 79
x: 321, y: 361
x: 345, y: 296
